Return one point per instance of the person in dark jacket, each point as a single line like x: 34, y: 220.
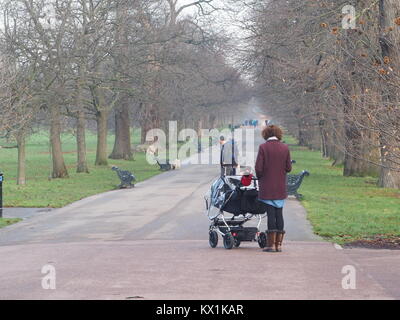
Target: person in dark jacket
x: 229, y: 163
x: 272, y: 165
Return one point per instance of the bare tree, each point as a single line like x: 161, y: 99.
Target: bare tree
x: 334, y: 89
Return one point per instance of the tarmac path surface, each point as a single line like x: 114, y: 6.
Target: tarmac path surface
x: 151, y: 242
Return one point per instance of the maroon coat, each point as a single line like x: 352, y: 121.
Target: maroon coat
x: 273, y: 162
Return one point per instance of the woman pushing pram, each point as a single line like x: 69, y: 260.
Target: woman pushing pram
x: 272, y: 165
x: 247, y: 197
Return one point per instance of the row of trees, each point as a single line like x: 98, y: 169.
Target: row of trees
x: 142, y: 62
x: 335, y: 89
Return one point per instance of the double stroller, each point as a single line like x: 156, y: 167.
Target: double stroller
x: 230, y: 194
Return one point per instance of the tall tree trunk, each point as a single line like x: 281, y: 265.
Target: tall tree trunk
x: 142, y: 134
x: 150, y: 121
x: 334, y: 151
x: 352, y: 157
x: 388, y: 178
x: 324, y: 141
x: 59, y: 167
x: 357, y: 153
x: 102, y: 130
x: 352, y: 86
x: 82, y: 166
x: 21, y: 178
x: 122, y: 144
x: 303, y: 139
x: 389, y: 10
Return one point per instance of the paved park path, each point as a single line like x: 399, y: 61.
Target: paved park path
x: 151, y: 242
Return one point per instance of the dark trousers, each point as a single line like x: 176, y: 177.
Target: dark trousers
x: 275, y: 218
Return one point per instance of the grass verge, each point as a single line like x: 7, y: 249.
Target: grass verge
x: 345, y: 209
x: 40, y: 191
x: 4, y: 222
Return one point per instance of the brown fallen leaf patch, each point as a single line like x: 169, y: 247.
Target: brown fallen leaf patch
x: 378, y: 242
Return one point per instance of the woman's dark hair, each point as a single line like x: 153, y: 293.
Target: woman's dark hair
x: 272, y: 131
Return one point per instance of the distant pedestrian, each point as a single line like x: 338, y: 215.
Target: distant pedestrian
x: 229, y: 156
x: 272, y: 165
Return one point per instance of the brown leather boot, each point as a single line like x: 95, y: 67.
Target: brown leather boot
x: 271, y: 240
x: 279, y: 240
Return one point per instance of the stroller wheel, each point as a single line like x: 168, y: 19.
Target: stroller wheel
x: 213, y: 239
x: 237, y: 243
x: 262, y: 240
x: 229, y: 241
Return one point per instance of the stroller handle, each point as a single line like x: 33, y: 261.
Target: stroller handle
x: 254, y: 178
x: 239, y: 175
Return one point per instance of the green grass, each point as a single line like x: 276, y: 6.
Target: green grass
x: 6, y: 222
x: 42, y: 192
x: 345, y: 209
